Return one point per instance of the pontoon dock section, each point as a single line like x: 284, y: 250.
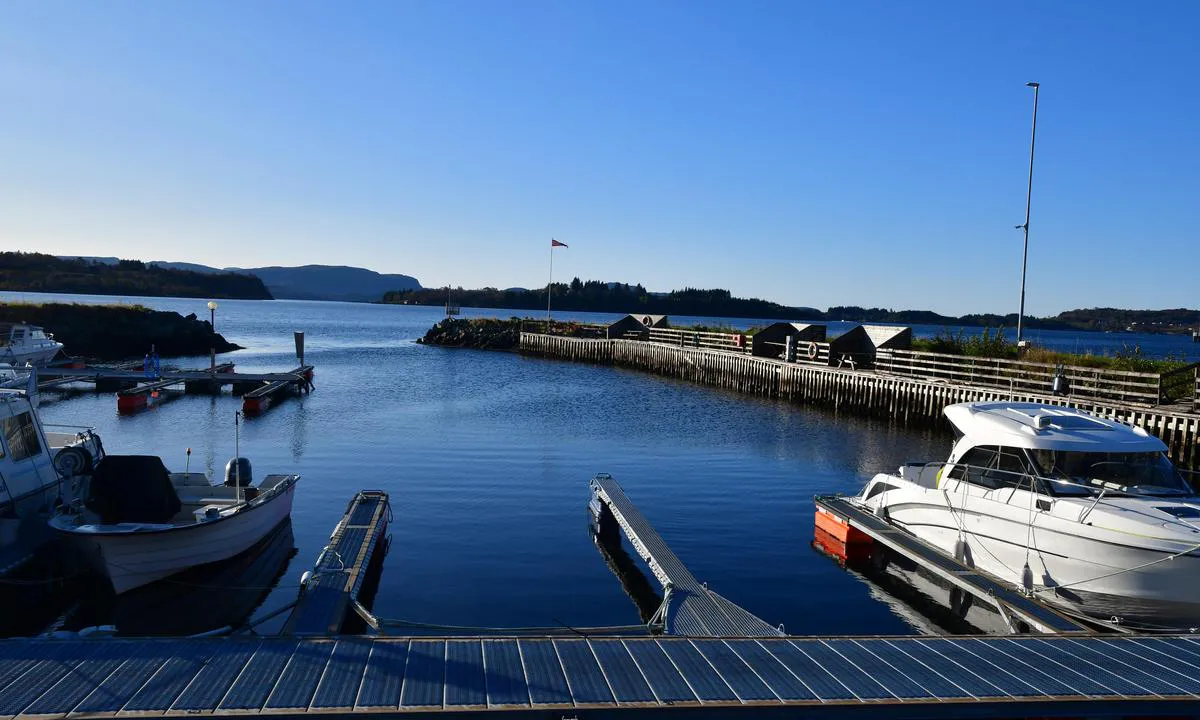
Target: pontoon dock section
x: 689, y: 607
x: 331, y: 593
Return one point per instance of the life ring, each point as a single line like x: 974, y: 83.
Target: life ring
x: 646, y: 320
x: 812, y: 351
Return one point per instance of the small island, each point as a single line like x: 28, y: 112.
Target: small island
x: 119, y: 332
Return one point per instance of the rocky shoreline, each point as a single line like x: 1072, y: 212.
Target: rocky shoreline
x: 119, y: 332
x: 479, y: 333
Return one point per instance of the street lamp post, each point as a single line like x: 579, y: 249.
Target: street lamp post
x: 1028, y: 198
x: 212, y: 314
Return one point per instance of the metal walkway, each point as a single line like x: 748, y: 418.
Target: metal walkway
x: 1003, y: 597
x: 690, y: 608
x: 890, y: 677
x: 332, y: 590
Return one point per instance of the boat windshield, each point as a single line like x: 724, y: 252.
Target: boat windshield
x: 1086, y: 473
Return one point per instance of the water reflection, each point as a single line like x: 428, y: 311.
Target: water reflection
x: 924, y: 601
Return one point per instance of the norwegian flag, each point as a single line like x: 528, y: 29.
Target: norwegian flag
x: 554, y: 243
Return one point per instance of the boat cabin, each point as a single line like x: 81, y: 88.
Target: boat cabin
x: 1056, y: 451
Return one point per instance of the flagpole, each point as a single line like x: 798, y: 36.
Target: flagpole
x: 550, y: 285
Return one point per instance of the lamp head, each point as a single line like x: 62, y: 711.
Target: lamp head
x: 1032, y: 84
x: 212, y: 305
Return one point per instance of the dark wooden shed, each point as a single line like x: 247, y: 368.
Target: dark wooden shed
x: 636, y: 325
x: 772, y: 341
x: 857, y: 345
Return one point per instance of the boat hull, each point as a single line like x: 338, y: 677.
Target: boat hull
x: 135, y: 558
x: 1103, y: 575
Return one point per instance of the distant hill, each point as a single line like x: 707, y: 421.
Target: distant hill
x: 35, y: 272
x: 307, y: 282
x: 330, y: 282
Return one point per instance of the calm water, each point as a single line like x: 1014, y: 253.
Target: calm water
x: 487, y: 457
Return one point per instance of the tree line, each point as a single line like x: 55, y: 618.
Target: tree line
x: 37, y: 272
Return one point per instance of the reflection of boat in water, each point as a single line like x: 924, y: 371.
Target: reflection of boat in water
x: 926, y: 602
x: 198, y: 600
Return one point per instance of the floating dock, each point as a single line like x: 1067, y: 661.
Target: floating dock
x: 288, y: 677
x: 856, y: 529
x: 689, y: 608
x: 332, y: 591
x: 136, y: 391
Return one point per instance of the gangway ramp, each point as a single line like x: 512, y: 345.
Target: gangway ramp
x: 689, y: 607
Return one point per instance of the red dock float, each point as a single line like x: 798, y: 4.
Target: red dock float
x: 258, y: 400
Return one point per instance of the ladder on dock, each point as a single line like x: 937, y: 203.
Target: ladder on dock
x: 259, y: 399
x: 689, y: 607
x: 331, y: 592
x: 1011, y: 605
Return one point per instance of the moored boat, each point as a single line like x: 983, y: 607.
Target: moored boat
x: 21, y: 343
x: 1081, y: 511
x: 137, y: 523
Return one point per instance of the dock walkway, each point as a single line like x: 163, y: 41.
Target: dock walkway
x: 333, y: 588
x: 287, y: 677
x: 690, y: 608
x: 1005, y: 598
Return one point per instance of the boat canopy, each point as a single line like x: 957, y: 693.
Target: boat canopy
x: 132, y: 489
x: 1047, y: 427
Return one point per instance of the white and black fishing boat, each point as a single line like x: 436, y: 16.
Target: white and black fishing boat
x: 1082, y: 511
x: 138, y: 523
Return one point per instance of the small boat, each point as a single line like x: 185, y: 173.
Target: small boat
x: 137, y: 523
x: 1083, y: 512
x: 21, y: 343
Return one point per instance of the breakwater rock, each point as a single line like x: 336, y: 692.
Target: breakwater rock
x: 482, y: 333
x: 119, y: 332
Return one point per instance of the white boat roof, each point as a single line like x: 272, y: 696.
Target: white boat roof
x: 1047, y: 427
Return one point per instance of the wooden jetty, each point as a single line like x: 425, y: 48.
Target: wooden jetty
x: 852, y: 525
x: 598, y: 676
x: 689, y: 608
x: 135, y: 391
x: 330, y: 594
x: 862, y: 390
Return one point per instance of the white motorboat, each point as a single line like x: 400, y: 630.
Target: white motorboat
x: 1084, y: 512
x: 138, y: 523
x: 39, y: 468
x: 21, y: 343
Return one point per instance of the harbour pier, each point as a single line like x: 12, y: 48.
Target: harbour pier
x: 591, y: 673
x: 894, y: 391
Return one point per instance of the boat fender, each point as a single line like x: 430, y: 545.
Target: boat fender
x: 812, y: 351
x: 237, y: 472
x: 73, y: 460
x: 304, y: 578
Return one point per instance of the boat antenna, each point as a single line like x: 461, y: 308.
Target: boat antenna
x: 237, y: 456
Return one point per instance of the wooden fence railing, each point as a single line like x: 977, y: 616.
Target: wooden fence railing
x: 696, y: 339
x: 1138, y: 387
x: 1178, y: 384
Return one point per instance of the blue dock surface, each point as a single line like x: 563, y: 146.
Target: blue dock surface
x: 691, y: 609
x: 885, y: 677
x: 338, y: 575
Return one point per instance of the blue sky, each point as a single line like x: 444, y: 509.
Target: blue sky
x: 812, y: 153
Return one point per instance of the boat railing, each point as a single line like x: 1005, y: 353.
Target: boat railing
x: 992, y: 478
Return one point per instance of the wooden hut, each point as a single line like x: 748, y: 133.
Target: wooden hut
x: 774, y: 340
x: 856, y: 347
x: 636, y: 326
